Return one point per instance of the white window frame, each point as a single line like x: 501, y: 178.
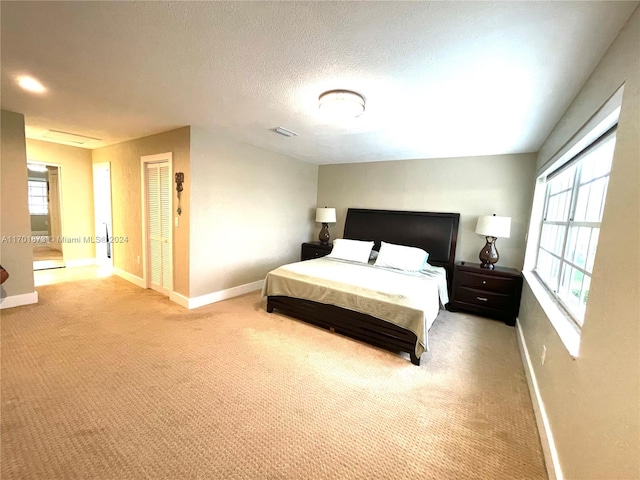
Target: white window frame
x: 601, y: 121
x: 35, y: 208
x: 576, y: 314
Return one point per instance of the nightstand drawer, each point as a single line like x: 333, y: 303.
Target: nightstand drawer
x: 315, y: 250
x: 482, y: 298
x: 492, y: 293
x: 494, y: 284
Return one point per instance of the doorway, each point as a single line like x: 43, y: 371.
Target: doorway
x: 157, y: 231
x: 45, y: 214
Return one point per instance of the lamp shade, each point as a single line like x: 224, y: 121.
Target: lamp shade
x: 494, y: 226
x: 326, y: 215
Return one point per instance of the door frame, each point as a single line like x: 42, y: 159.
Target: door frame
x: 60, y: 199
x: 144, y: 160
x: 109, y: 261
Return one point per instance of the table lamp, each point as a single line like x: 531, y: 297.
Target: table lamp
x: 325, y: 216
x: 492, y: 227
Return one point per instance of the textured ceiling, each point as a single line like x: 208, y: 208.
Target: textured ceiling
x: 441, y: 79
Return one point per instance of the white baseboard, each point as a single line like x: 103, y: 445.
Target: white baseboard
x: 223, y: 294
x: 129, y: 277
x: 80, y: 262
x: 18, y: 300
x: 200, y: 301
x: 554, y: 471
x: 179, y: 299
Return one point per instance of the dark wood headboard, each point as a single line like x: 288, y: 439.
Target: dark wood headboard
x: 436, y: 233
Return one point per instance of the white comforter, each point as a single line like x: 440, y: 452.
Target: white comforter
x: 408, y: 299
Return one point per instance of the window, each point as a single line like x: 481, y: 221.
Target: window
x: 573, y: 206
x: 38, y: 204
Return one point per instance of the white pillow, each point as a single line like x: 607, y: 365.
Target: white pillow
x: 411, y: 259
x: 354, y: 250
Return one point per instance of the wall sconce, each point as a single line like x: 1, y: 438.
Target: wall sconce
x: 179, y: 188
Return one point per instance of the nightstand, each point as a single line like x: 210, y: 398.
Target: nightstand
x: 491, y: 293
x: 315, y: 250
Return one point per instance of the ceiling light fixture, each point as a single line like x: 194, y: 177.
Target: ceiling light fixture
x: 341, y: 104
x: 36, y: 167
x: 31, y: 84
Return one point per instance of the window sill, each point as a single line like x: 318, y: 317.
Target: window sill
x: 563, y: 325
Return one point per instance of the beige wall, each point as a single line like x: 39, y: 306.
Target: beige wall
x: 15, y: 256
x: 76, y: 193
x: 251, y: 211
x: 593, y: 402
x: 471, y: 186
x: 126, y: 200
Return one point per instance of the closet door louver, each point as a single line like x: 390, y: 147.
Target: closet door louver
x: 159, y: 228
x: 165, y: 227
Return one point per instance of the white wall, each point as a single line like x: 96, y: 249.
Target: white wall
x: 471, y: 186
x: 250, y: 212
x: 16, y: 256
x: 593, y: 402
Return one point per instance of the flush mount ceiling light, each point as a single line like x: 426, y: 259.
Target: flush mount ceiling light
x: 341, y: 104
x: 31, y: 84
x: 36, y: 167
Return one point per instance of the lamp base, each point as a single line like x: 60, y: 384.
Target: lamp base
x: 324, y: 234
x: 489, y: 254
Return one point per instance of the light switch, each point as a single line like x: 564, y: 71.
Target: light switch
x: 176, y: 221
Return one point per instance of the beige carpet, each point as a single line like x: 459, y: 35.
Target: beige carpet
x: 45, y: 257
x: 103, y: 380
x: 46, y: 253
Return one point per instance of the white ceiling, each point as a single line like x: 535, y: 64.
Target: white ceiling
x: 441, y: 79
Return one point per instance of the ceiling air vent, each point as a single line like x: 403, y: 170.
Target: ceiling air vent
x: 60, y: 136
x: 284, y: 131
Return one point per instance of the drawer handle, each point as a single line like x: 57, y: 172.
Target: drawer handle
x: 483, y: 299
x: 484, y: 282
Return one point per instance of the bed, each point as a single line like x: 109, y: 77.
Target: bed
x: 366, y: 317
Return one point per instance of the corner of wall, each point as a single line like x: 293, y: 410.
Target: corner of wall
x: 15, y: 224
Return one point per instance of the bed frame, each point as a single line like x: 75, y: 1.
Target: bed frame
x: 437, y: 233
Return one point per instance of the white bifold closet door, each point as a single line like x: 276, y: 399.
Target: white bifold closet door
x: 159, y: 228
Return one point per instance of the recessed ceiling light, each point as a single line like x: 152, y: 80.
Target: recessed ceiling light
x: 31, y: 84
x: 341, y: 104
